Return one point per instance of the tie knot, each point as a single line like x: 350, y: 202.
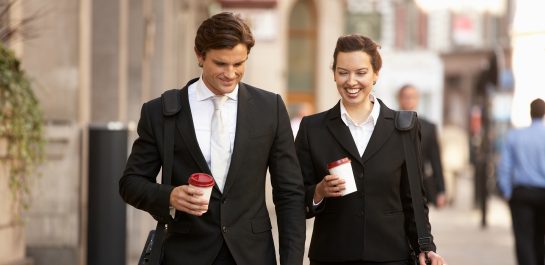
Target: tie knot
x: 218, y: 101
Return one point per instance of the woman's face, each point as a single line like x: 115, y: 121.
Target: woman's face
x: 354, y: 77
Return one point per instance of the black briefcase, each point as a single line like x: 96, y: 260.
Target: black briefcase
x: 146, y: 252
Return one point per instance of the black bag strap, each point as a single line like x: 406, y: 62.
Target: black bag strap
x: 171, y: 102
x: 405, y: 122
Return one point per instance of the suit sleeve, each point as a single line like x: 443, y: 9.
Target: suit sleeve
x: 138, y: 185
x: 305, y: 160
x: 288, y: 190
x: 435, y: 159
x: 410, y: 223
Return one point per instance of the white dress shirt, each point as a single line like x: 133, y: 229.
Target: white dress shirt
x: 201, y: 103
x: 361, y: 132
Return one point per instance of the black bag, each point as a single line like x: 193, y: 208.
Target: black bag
x: 405, y: 121
x: 151, y: 254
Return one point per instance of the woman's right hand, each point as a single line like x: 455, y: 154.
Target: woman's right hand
x: 330, y: 186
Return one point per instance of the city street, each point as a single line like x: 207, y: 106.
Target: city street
x: 460, y: 238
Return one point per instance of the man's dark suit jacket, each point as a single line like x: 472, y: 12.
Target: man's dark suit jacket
x: 434, y: 181
x: 375, y: 223
x: 239, y: 216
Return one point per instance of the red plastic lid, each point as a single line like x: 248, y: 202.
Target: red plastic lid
x: 201, y: 180
x: 338, y: 162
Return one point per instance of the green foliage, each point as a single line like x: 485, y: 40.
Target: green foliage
x: 21, y: 124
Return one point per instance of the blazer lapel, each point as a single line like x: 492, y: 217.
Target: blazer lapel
x: 341, y: 132
x: 184, y: 123
x: 383, y: 129
x: 243, y: 128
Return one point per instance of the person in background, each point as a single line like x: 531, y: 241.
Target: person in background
x: 375, y: 225
x: 234, y: 132
x: 434, y: 181
x: 302, y: 110
x: 521, y: 180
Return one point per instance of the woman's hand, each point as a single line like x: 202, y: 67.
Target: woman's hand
x: 434, y: 258
x: 330, y: 186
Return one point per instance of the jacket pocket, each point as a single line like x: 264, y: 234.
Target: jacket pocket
x: 179, y: 227
x: 393, y: 212
x: 261, y: 224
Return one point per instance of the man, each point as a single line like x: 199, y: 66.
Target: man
x: 234, y: 132
x: 434, y: 182
x: 521, y: 179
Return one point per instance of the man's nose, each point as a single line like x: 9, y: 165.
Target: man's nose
x: 230, y: 72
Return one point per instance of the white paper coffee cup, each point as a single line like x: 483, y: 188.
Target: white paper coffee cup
x: 343, y: 169
x: 203, y: 182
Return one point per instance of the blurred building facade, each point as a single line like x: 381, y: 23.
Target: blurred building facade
x: 96, y: 61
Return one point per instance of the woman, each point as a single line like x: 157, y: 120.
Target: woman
x: 375, y: 224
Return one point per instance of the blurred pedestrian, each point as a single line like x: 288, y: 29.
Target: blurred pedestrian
x: 434, y: 181
x: 376, y: 224
x: 302, y: 110
x: 521, y: 179
x: 217, y: 108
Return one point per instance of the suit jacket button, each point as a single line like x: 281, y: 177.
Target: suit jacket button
x: 223, y: 200
x: 224, y: 229
x: 360, y: 176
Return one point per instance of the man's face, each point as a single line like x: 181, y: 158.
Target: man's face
x: 222, y: 69
x: 408, y: 99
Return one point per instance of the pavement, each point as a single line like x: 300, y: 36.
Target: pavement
x: 461, y: 239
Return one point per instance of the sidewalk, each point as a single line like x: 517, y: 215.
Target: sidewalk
x: 460, y: 238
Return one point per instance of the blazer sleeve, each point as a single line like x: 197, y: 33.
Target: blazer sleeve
x: 410, y: 223
x: 435, y: 160
x: 288, y: 190
x: 302, y: 147
x: 138, y: 185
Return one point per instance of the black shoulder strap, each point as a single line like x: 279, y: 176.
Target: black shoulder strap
x: 172, y: 104
x: 405, y: 122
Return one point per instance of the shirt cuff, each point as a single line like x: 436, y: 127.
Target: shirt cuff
x: 316, y: 204
x: 172, y: 211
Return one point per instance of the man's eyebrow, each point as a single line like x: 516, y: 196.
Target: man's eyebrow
x: 359, y: 69
x: 222, y: 62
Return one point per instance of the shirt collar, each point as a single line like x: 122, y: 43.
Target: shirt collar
x: 375, y: 112
x: 203, y: 93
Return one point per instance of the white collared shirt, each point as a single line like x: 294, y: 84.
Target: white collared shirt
x: 201, y: 103
x: 361, y: 132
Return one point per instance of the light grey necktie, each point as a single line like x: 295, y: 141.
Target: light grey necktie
x: 219, y: 143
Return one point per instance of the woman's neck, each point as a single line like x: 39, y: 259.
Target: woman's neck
x: 359, y: 112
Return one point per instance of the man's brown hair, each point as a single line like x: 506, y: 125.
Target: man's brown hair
x: 223, y: 30
x: 537, y: 109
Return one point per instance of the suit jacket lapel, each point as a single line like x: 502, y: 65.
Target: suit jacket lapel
x: 184, y: 123
x: 341, y: 132
x: 243, y: 128
x: 383, y: 130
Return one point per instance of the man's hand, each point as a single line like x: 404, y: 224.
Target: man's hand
x: 330, y: 186
x: 188, y: 199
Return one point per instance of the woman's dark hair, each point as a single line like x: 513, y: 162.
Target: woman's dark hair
x: 223, y: 30
x: 537, y: 109
x: 355, y: 42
